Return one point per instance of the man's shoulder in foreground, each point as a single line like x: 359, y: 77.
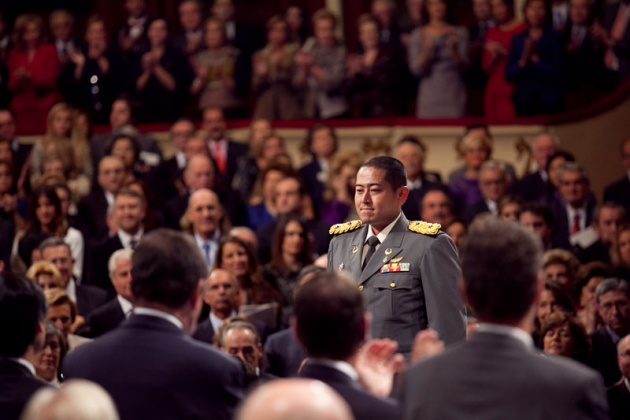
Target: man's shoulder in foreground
x: 505, y: 380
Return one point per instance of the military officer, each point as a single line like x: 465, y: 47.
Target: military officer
x: 407, y: 271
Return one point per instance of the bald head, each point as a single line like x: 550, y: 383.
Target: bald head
x: 543, y: 146
x: 199, y: 173
x: 204, y: 213
x: 287, y: 399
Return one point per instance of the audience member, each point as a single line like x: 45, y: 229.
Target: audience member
x: 475, y: 76
x: 457, y: 230
x: 87, y: 298
x: 20, y: 150
x: 534, y: 63
x: 288, y: 399
x: 475, y: 150
x: 131, y: 36
x: 619, y: 394
x: 181, y: 131
x: 22, y: 317
x: 552, y: 299
x: 61, y: 24
x: 438, y: 54
x: 190, y: 40
x: 493, y: 183
x: 274, y: 69
x: 45, y: 274
x: 389, y: 33
x: 338, y: 197
x: 33, y: 68
x: 608, y: 218
x: 332, y: 337
x: 590, y: 275
x: 217, y: 66
x: 262, y: 209
x: 615, y: 22
x: 63, y: 314
x: 619, y: 191
x: 296, y: 19
x: 469, y: 381
x: 613, y: 302
x: 321, y: 70
x: 205, y: 216
x: 436, y: 207
x: 563, y: 335
x: 167, y: 306
x: 510, y: 207
x: 238, y: 34
x: 561, y: 267
x: 620, y: 252
x: 241, y: 339
x: 51, y: 355
x: 321, y: 143
x: 111, y: 314
x: 536, y: 186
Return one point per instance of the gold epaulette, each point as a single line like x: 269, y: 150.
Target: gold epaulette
x: 424, y: 228
x: 340, y: 228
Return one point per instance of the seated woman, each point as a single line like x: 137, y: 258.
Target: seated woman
x: 291, y: 250
x: 63, y: 140
x: 438, y: 55
x: 273, y: 72
x: 590, y: 275
x: 552, y: 299
x: 127, y: 148
x: 261, y: 209
x: 475, y: 149
x: 216, y: 69
x: 160, y: 76
x: 561, y: 266
x: 510, y: 207
x: 372, y: 74
x: 51, y: 356
x: 620, y: 252
x: 237, y: 257
x: 63, y: 313
x: 339, y: 188
x: 456, y: 229
x: 535, y: 62
x: 45, y: 274
x: 563, y: 335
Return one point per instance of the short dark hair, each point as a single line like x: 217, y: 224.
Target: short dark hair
x: 166, y: 268
x: 395, y: 172
x: 22, y: 307
x: 540, y: 210
x: 567, y: 156
x: 329, y: 313
x: 308, y: 141
x: 500, y: 286
x: 608, y: 205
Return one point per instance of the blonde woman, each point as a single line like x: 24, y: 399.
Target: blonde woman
x: 45, y: 274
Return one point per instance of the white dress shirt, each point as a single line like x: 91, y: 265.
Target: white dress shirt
x: 339, y: 365
x: 125, y: 305
x: 125, y: 238
x: 381, y: 236
x: 159, y: 314
x: 513, y: 332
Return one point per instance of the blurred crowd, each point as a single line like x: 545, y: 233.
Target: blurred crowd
x: 563, y: 55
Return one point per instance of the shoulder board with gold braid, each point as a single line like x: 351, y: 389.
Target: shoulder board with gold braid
x: 340, y: 228
x: 424, y: 228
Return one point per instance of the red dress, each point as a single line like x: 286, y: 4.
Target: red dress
x: 33, y: 97
x: 498, y: 96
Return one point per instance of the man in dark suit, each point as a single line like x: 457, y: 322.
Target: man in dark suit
x: 407, y: 271
x: 436, y: 207
x: 619, y: 191
x: 608, y: 218
x: 224, y: 152
x: 167, y: 270
x: 331, y: 323
x: 617, y: 22
x: 619, y: 394
x: 87, y: 298
x: 284, y: 354
x: 20, y: 150
x: 127, y: 214
x: 222, y: 294
x: 535, y: 186
x: 410, y: 152
x: 93, y: 208
x: 171, y: 170
x: 190, y: 41
x: 498, y: 373
x: 114, y: 312
x: 493, y: 183
x: 613, y: 304
x: 574, y: 212
x: 22, y: 317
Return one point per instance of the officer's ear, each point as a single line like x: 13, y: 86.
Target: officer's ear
x: 402, y: 194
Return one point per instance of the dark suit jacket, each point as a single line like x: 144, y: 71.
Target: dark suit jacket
x: 364, y: 405
x: 170, y: 175
x: 313, y: 185
x: 621, y: 47
x: 93, y: 214
x: 532, y: 187
x: 403, y: 303
x: 496, y: 376
x: 596, y: 252
x: 17, y: 385
x: 99, y: 272
x: 284, y: 354
x: 619, y: 401
x: 412, y: 207
x: 205, y: 331
x: 619, y: 192
x: 604, y: 356
x: 174, y: 210
x: 162, y: 373
x: 560, y: 238
x: 105, y: 319
x: 89, y: 298
x: 475, y: 210
x: 234, y: 151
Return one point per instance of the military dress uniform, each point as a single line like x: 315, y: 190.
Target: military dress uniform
x: 409, y: 283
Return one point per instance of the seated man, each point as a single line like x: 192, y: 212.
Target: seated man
x: 619, y: 394
x: 608, y: 218
x: 493, y: 183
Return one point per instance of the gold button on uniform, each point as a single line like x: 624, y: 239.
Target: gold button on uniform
x: 361, y: 288
x: 392, y: 285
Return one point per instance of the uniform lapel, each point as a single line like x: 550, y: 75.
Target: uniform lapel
x: 354, y: 252
x: 390, y: 248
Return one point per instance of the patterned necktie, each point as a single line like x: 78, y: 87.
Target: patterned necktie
x: 372, y: 243
x: 575, y: 228
x: 206, y: 250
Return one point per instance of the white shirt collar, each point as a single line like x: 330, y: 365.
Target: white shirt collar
x: 571, y: 212
x: 492, y: 206
x: 383, y: 233
x: 125, y: 305
x: 110, y: 198
x: 216, y: 321
x: 513, y: 332
x: 414, y: 185
x: 126, y: 238
x: 28, y: 365
x: 180, y: 157
x: 627, y: 382
x: 159, y: 314
x: 340, y: 365
x: 71, y: 290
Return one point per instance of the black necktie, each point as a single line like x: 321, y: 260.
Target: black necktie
x: 133, y: 243
x: 372, y: 243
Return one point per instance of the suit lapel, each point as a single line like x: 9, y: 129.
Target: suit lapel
x: 390, y: 248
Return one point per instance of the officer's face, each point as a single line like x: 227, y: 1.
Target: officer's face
x: 377, y: 203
